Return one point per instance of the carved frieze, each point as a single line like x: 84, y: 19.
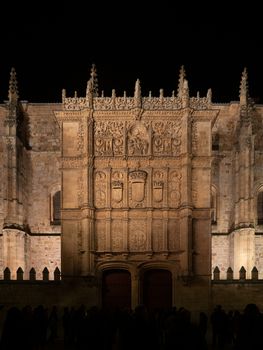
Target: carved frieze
x: 143, y: 138
x: 109, y: 138
x: 138, y: 139
x: 167, y: 137
x: 127, y: 103
x: 199, y: 103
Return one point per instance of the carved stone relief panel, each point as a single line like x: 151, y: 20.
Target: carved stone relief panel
x: 117, y: 188
x: 167, y: 138
x: 158, y: 188
x: 80, y: 190
x: 137, y: 188
x: 137, y: 235
x: 117, y: 235
x: 100, y: 189
x: 109, y: 138
x: 138, y: 139
x: 194, y: 189
x: 173, y: 235
x: 174, y: 188
x: 157, y: 235
x: 100, y: 236
x: 194, y: 138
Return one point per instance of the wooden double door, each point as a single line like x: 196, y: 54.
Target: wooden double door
x: 155, y: 289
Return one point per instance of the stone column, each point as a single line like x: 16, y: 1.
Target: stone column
x: 135, y: 289
x: 186, y: 195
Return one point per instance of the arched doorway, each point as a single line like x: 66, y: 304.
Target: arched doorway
x: 116, y: 289
x: 157, y: 289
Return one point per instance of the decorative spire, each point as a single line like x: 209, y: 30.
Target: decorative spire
x: 113, y: 97
x: 89, y: 93
x: 185, y: 94
x: 137, y: 93
x: 13, y: 90
x: 94, y: 81
x: 182, y: 76
x: 243, y: 90
x: 209, y: 96
x: 63, y: 95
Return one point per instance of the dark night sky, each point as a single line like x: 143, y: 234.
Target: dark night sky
x: 52, y: 46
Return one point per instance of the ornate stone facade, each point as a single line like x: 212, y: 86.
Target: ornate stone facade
x: 146, y: 182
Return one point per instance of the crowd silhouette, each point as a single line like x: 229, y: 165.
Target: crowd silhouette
x: 123, y: 329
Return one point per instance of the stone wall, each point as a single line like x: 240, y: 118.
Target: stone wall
x: 220, y: 253
x: 236, y: 295
x: 38, y: 178
x: 259, y: 254
x: 44, y: 158
x: 45, y: 252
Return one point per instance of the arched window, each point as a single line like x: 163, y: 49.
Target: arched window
x: 213, y: 206
x: 55, y: 209
x: 260, y: 208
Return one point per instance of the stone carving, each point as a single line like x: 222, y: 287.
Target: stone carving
x: 117, y: 191
x: 194, y: 190
x: 100, y: 237
x: 127, y: 103
x: 155, y: 103
x: 158, y: 184
x: 100, y: 189
x: 72, y: 162
x: 137, y: 181
x: 109, y: 138
x: 173, y: 235
x: 199, y: 103
x: 80, y: 191
x: 80, y: 137
x: 10, y: 121
x: 117, y: 235
x: 137, y: 235
x: 174, y: 189
x: 157, y: 235
x: 138, y: 140
x: 117, y: 188
x: 194, y: 138
x: 167, y: 137
x: 10, y: 143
